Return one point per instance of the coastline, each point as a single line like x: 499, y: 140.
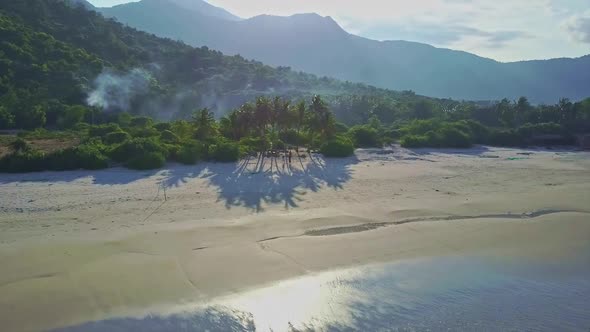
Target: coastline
x: 91, y: 245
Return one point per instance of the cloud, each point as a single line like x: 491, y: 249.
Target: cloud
x: 443, y: 33
x: 500, y: 38
x: 578, y: 27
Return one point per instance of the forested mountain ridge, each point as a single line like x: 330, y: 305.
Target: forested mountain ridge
x: 54, y: 54
x: 318, y: 45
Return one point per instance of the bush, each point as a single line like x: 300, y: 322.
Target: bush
x: 508, y: 137
x: 340, y: 128
x: 169, y: 137
x: 550, y: 128
x: 71, y: 116
x: 419, y: 127
x: 479, y: 133
x: 6, y: 118
x: 143, y: 132
x: 338, y: 147
x: 451, y: 137
x: 90, y: 157
x: 116, y: 137
x: 23, y: 161
x: 137, y: 147
x: 19, y: 144
x: 82, y: 126
x: 365, y: 136
x: 436, y: 134
x: 141, y: 121
x: 189, y: 153
x: 80, y: 157
x: 163, y: 126
x: 224, y: 152
x: 414, y: 141
x: 149, y: 160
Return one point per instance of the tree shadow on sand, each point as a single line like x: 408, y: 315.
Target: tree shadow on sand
x: 106, y: 177
x: 275, y: 181
x: 250, y: 183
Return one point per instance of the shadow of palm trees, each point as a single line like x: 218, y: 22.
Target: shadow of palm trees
x: 258, y: 181
x: 250, y: 183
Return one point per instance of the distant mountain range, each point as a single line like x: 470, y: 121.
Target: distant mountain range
x: 318, y: 45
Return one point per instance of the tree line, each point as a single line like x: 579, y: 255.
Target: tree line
x: 139, y: 142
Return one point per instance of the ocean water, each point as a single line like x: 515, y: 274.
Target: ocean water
x: 434, y: 294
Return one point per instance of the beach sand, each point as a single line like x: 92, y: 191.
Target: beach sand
x: 81, y: 246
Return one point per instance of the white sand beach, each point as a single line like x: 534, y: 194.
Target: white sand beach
x: 80, y: 246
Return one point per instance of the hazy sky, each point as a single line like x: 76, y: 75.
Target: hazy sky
x: 506, y: 30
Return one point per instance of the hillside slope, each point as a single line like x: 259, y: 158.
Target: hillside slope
x: 53, y: 55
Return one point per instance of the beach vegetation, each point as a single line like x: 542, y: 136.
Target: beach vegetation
x: 146, y: 161
x: 365, y: 136
x: 116, y: 137
x: 338, y: 147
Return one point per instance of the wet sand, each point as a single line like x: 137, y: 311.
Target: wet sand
x: 81, y: 246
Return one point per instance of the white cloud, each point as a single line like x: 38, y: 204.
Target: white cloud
x: 579, y: 27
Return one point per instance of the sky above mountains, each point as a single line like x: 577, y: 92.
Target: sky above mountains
x: 505, y: 30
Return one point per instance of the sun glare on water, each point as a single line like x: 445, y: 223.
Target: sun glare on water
x: 316, y: 301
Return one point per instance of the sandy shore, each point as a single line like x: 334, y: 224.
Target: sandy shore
x: 81, y: 246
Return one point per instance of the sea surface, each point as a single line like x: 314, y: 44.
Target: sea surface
x: 433, y: 294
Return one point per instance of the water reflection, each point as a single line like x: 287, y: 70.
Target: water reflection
x: 431, y: 294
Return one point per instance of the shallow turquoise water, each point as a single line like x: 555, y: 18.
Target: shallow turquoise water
x: 435, y: 294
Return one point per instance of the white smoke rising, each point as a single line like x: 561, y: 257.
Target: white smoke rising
x: 132, y: 92
x: 114, y: 91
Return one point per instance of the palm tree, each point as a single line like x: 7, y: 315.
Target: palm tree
x: 299, y: 116
x: 263, y: 114
x: 283, y: 116
x: 205, y: 123
x: 245, y: 119
x: 321, y: 118
x: 230, y: 125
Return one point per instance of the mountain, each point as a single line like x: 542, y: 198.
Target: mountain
x: 318, y: 45
x: 186, y: 9
x: 54, y: 55
x: 204, y: 8
x: 82, y: 3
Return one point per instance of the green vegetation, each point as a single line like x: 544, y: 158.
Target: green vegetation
x: 276, y: 124
x: 116, y: 137
x: 139, y: 143
x: 53, y: 62
x: 365, y: 136
x: 432, y: 133
x: 148, y: 160
x: 337, y: 147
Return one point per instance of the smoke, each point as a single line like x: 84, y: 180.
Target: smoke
x: 138, y: 92
x: 115, y: 92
